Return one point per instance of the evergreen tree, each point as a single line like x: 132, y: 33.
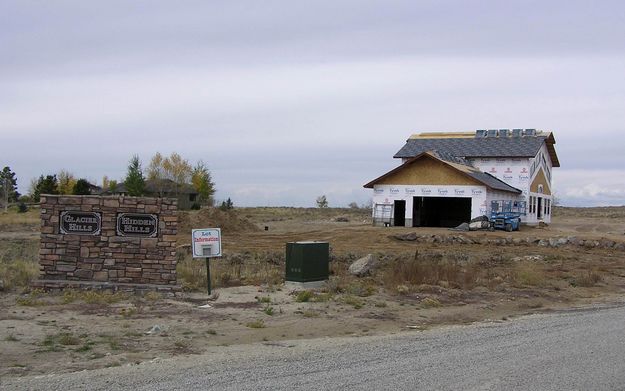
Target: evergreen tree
x: 45, y: 185
x: 8, y: 185
x: 135, y: 182
x: 226, y: 205
x: 322, y: 201
x: 81, y: 187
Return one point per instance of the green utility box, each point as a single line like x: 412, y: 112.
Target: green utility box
x: 307, y: 261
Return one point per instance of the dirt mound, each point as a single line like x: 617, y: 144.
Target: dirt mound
x: 610, y: 212
x: 229, y: 221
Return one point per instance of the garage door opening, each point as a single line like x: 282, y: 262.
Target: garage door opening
x: 440, y: 211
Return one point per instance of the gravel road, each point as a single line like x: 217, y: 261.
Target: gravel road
x: 573, y: 350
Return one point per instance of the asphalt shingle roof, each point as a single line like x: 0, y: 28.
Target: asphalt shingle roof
x: 474, y: 147
x: 492, y: 182
x: 482, y: 177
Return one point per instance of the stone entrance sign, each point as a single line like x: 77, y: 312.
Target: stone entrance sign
x: 116, y: 242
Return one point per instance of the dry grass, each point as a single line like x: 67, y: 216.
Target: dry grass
x: 12, y: 217
x: 432, y: 269
x: 266, y: 214
x: 256, y: 324
x: 32, y: 299
x: 18, y: 273
x: 587, y: 279
x: 232, y: 270
x: 93, y: 297
x: 529, y: 274
x: 430, y: 302
x: 354, y: 301
x: 14, y: 249
x: 55, y: 342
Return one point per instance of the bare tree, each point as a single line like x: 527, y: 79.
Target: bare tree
x: 156, y: 172
x: 178, y: 170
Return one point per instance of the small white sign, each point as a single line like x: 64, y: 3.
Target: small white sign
x: 206, y: 242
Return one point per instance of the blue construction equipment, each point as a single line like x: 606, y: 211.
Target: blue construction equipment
x: 506, y: 214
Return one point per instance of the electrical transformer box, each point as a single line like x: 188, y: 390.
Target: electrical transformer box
x: 307, y: 261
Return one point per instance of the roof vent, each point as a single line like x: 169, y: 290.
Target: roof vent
x: 480, y: 133
x: 492, y: 133
x: 504, y: 132
x: 517, y: 132
x: 529, y: 132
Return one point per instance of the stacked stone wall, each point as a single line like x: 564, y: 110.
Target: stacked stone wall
x: 107, y: 256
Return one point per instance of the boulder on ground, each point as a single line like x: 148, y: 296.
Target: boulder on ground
x: 477, y: 225
x: 461, y: 227
x: 363, y: 266
x: 412, y: 236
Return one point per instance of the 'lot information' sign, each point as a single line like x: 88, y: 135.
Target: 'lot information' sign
x: 206, y: 242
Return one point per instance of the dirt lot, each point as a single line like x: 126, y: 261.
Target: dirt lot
x: 417, y: 285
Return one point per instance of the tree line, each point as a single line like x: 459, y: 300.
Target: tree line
x: 168, y: 173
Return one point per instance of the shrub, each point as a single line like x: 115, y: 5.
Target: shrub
x: 588, y: 279
x: 429, y: 302
x: 360, y: 288
x: 304, y: 296
x: 528, y: 274
x: 96, y: 297
x: 322, y: 201
x: 31, y: 300
x: 256, y: 324
x: 268, y: 310
x: 402, y: 289
x: 70, y: 295
x: 353, y: 301
x: 153, y: 296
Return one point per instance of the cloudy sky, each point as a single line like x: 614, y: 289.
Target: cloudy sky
x: 288, y: 100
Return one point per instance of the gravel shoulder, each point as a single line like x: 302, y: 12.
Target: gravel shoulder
x: 575, y: 349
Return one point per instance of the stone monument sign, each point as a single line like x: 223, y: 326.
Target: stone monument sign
x: 120, y: 242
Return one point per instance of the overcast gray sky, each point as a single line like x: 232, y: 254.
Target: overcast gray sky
x: 288, y: 100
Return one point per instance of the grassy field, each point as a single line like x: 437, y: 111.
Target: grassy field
x: 415, y: 286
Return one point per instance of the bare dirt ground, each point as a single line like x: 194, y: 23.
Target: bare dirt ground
x: 416, y: 286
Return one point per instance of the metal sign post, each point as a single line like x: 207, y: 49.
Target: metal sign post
x: 208, y: 275
x: 207, y: 245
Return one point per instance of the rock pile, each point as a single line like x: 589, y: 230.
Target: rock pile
x: 513, y: 241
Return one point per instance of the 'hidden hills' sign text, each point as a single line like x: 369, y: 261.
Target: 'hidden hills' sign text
x: 137, y: 224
